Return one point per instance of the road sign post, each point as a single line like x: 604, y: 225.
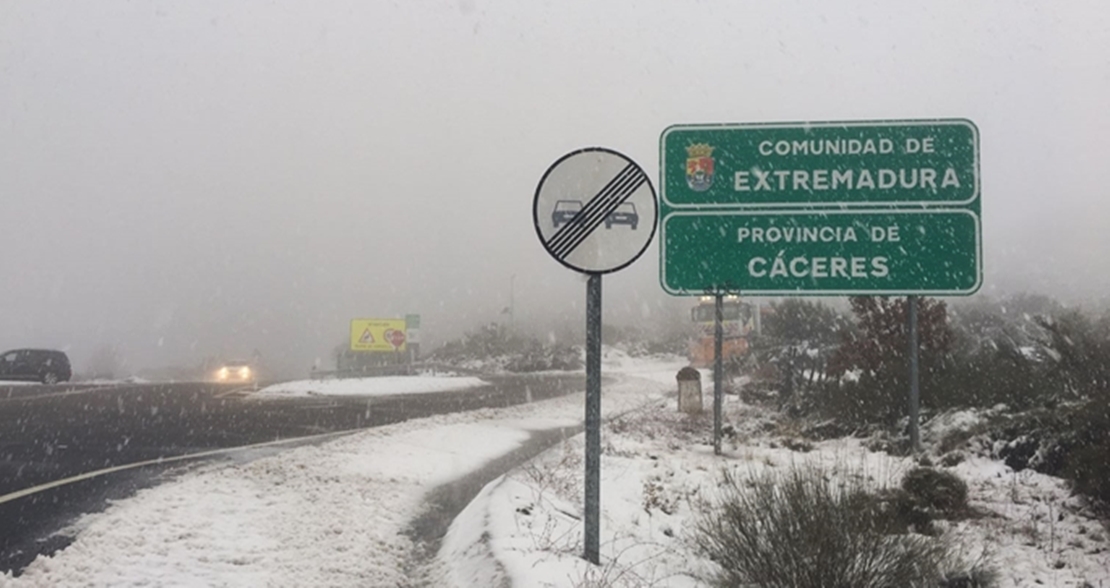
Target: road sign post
x: 593, y: 419
x: 594, y: 212
x: 915, y: 393
x: 837, y: 208
x: 718, y: 369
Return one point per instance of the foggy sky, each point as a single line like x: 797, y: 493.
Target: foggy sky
x: 182, y: 179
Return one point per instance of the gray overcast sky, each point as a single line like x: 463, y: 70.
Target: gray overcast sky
x: 190, y: 178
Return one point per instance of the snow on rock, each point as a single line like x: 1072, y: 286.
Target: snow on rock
x: 383, y: 386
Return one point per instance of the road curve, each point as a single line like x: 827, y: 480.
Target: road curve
x: 52, y: 433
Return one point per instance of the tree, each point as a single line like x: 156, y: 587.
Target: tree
x: 877, y: 353
x: 797, y: 334
x: 796, y: 321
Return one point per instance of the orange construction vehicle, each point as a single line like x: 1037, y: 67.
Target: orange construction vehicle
x: 738, y: 322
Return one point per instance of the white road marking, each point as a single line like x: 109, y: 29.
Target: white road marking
x: 162, y: 460
x: 71, y: 392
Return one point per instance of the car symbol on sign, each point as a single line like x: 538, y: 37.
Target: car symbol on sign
x: 625, y: 214
x: 565, y: 211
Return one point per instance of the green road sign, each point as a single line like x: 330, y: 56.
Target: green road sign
x: 826, y: 252
x: 850, y: 208
x: 922, y: 163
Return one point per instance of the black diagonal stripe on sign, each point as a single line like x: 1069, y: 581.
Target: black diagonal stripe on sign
x: 563, y: 234
x: 615, y: 201
x: 595, y: 210
x: 607, y: 205
x: 588, y: 214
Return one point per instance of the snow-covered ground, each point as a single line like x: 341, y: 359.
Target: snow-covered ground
x: 658, y: 466
x: 336, y: 514
x: 383, y: 386
x: 333, y: 514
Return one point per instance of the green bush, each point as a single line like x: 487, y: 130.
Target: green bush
x: 1088, y: 468
x: 980, y: 359
x: 1081, y: 349
x: 1071, y: 441
x: 991, y: 375
x: 797, y: 529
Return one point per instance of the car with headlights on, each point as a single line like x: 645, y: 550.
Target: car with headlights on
x: 238, y: 371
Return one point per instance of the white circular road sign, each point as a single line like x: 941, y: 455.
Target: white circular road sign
x: 595, y: 210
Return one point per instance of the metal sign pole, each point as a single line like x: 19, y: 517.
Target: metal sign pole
x: 593, y: 418
x: 581, y: 192
x: 915, y: 393
x: 718, y: 376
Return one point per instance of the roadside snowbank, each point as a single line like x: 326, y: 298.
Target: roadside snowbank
x: 383, y: 386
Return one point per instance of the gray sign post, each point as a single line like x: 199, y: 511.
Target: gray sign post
x: 594, y: 212
x: 915, y: 392
x: 718, y: 370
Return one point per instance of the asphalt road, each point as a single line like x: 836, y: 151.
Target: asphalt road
x: 50, y: 433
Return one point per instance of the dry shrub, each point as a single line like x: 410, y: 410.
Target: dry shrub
x: 797, y: 529
x: 940, y: 491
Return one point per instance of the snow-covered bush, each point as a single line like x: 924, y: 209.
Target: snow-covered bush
x: 798, y: 529
x: 978, y: 357
x: 1070, y: 441
x: 937, y: 490
x: 495, y: 348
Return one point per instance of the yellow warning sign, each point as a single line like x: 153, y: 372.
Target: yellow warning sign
x: 378, y: 335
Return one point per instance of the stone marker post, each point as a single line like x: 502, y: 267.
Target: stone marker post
x: 689, y: 390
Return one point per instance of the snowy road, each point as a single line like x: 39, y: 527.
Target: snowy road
x: 367, y: 509
x: 52, y: 434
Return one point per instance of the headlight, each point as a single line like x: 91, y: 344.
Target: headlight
x: 244, y: 372
x: 223, y: 373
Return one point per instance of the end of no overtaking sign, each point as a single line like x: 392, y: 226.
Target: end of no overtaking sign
x: 594, y: 210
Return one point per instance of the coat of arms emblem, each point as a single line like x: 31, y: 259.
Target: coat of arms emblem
x: 699, y: 167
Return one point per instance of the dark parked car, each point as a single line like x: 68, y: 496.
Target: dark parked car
x: 37, y: 365
x: 564, y: 212
x: 625, y: 214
